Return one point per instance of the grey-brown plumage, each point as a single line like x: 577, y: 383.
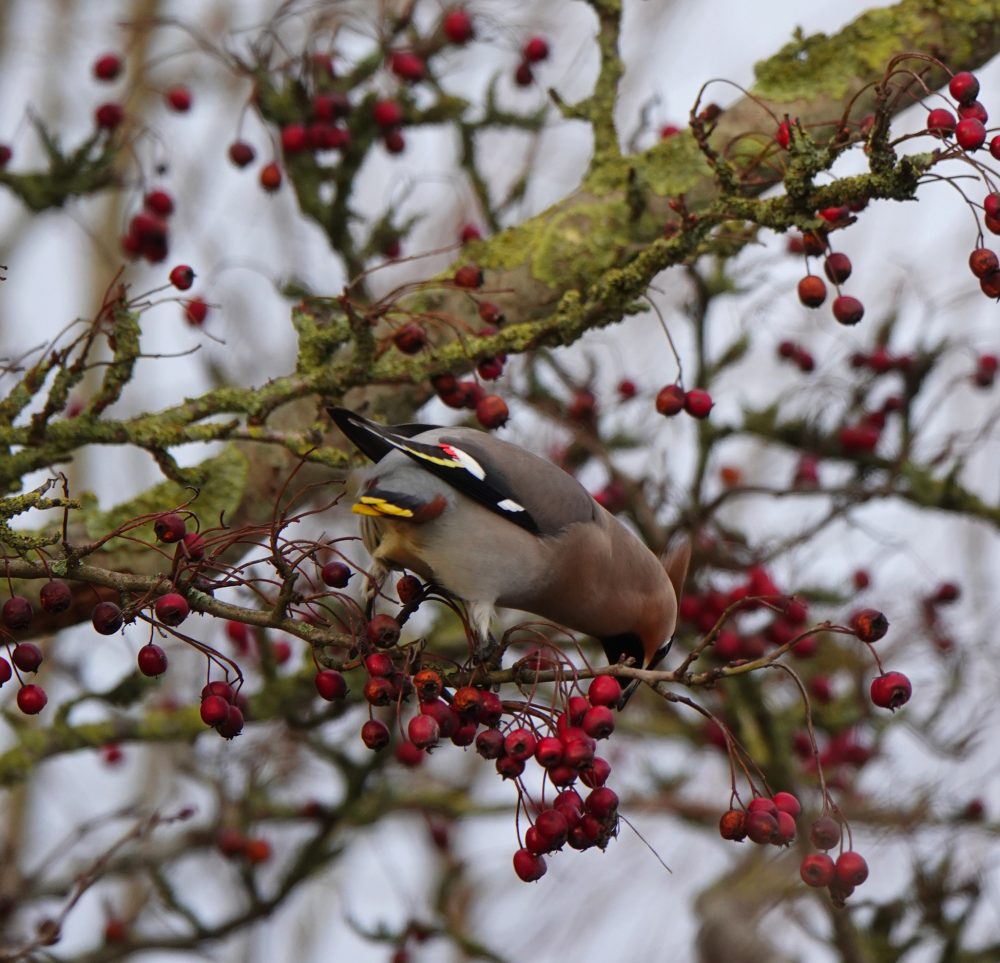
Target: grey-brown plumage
x: 495, y: 525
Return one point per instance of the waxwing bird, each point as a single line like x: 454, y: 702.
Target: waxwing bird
x: 495, y: 525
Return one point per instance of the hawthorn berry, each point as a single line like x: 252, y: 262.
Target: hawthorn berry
x: 891, y: 690
x: 470, y: 233
x: 379, y: 691
x: 941, y: 122
x: 787, y: 803
x: 214, y: 710
x: 457, y: 26
x: 490, y: 709
x: 970, y: 134
x: 529, y: 866
x: 107, y: 67
x: 336, y: 574
x: 817, y: 869
x: 55, y: 596
x: 192, y: 547
x: 490, y: 368
x: 837, y: 267
x: 16, y: 613
x: 152, y: 660
x: 424, y: 731
x: 469, y: 276
x: 270, y: 177
x: 387, y: 113
x: 179, y: 98
x: 195, y: 312
x: 410, y: 338
x: 171, y: 609
x: 490, y: 744
x: 602, y: 803
x: 492, y: 411
x: 5, y: 671
x: 379, y: 665
x: 761, y: 827
x: 732, y: 825
x: 670, y: 400
x: 257, y: 850
x: 869, y: 625
x: 964, y: 87
x: 5, y: 155
x: 851, y: 869
x: 232, y: 725
x: 408, y: 589
x: 848, y: 310
x: 383, y: 631
x: 812, y: 291
x: 983, y: 262
x: 241, y: 153
x: 605, y: 690
x: 536, y: 50
x: 698, y: 403
x: 520, y: 744
x: 293, y: 138
x: 974, y: 110
x: 824, y: 833
x: 375, y: 735
x: 407, y: 66
x: 783, y: 135
x: 31, y: 699
x: 523, y: 75
x: 26, y: 656
x: 106, y: 618
x: 108, y: 116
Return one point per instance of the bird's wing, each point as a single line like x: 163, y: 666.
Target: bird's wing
x: 507, y: 479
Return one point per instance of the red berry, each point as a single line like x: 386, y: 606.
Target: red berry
x: 670, y: 400
x: 241, y: 153
x: 232, y: 725
x: 817, y: 869
x: 409, y: 589
x: 407, y: 66
x: 605, y: 690
x: 869, y: 625
x: 786, y: 828
x: 783, y: 135
x: 5, y: 155
x: 270, y: 177
x: 257, y: 850
x: 457, y: 26
x: 383, y: 631
x: 520, y: 744
x: 490, y: 368
x: 335, y: 574
x: 192, y: 547
x: 179, y: 99
x: 851, y: 869
x: 214, y: 710
x: 379, y: 691
x: 106, y: 618
x: 787, y: 803
x: 108, y: 116
x: 535, y: 50
x: 375, y: 735
x: 387, y: 113
x: 489, y: 744
x: 890, y: 691
x: 732, y: 825
x: 529, y: 866
x: 293, y: 138
x: 602, y: 802
x: 107, y: 67
x: 991, y: 204
x: 424, y: 731
x: 812, y: 291
x: 983, y: 262
x: 182, y: 277
x: 409, y: 755
x: 761, y: 804
x: 553, y: 827
x: 379, y: 664
x: 975, y: 110
x: 837, y: 268
x: 31, y: 699
x: 995, y: 147
x: 16, y: 612
x: 55, y: 596
x: 26, y: 656
x: 825, y: 833
x: 152, y: 660
x: 492, y: 411
x: 761, y: 827
x: 698, y: 403
x: 470, y: 233
x: 469, y: 276
x: 410, y: 338
x: 970, y: 134
x: 669, y: 130
x: 446, y: 718
x: 330, y: 684
x: 848, y: 310
x: 941, y: 122
x: 171, y: 609
x: 490, y: 709
x: 523, y: 75
x: 964, y: 87
x: 549, y: 752
x: 195, y: 312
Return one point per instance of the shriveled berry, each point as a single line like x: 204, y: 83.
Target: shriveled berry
x: 670, y: 400
x: 529, y: 866
x: 55, y: 596
x: 16, y: 613
x: 848, y: 310
x: 824, y: 833
x: 375, y: 735
x: 851, y: 869
x: 241, y: 153
x: 232, y: 725
x: 330, y: 685
x: 428, y: 685
x: 31, y: 699
x: 152, y: 660
x: 469, y: 700
x: 172, y: 608
x: 383, y: 631
x: 379, y: 691
x: 817, y: 869
x: 812, y: 291
x: 869, y: 625
x: 732, y: 825
x: 509, y: 768
x: 26, y: 656
x: 106, y: 618
x: 336, y: 574
x: 892, y: 690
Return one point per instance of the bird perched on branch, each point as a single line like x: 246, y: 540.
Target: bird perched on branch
x: 495, y: 525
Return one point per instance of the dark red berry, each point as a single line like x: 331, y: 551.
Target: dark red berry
x: 817, y: 869
x: 379, y: 691
x: 336, y: 574
x: 812, y: 291
x: 851, y: 869
x: 670, y: 400
x: 293, y: 138
x: 492, y: 411
x: 55, y: 596
x: 16, y: 613
x: 179, y: 98
x: 456, y: 25
x: 698, y: 403
x: 890, y: 691
x: 520, y: 744
x: 983, y: 262
x: 5, y: 671
x: 107, y: 67
x: 31, y: 699
x: 424, y: 731
x: 529, y: 866
x: 848, y: 310
x: 602, y: 803
x: 837, y: 268
x: 106, y: 618
x: 470, y: 233
x: 825, y: 833
x: 787, y: 803
x: 490, y: 744
x: 383, y: 631
x: 732, y: 825
x: 192, y: 547
x: 182, y: 277
x: 469, y: 276
x: 152, y: 660
x: 409, y: 589
x: 410, y: 338
x: 762, y: 827
x: 214, y: 710
x: 375, y: 735
x: 970, y: 134
x: 26, y: 656
x: 241, y: 153
x: 232, y: 725
x: 523, y: 75
x: 941, y: 122
x: 171, y: 609
x: 108, y: 116
x: 394, y: 141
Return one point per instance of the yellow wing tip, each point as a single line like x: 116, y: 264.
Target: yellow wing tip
x: 370, y: 505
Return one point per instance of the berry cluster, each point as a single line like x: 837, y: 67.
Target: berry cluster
x: 673, y: 399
